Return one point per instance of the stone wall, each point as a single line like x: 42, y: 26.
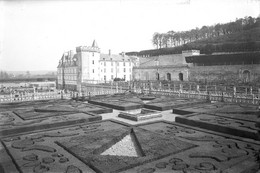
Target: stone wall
x: 174, y: 59
x: 226, y: 73
x: 168, y: 67
x: 146, y: 73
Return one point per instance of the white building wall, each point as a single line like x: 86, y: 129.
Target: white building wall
x: 94, y: 65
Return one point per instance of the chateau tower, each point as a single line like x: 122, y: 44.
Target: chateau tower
x: 88, y: 57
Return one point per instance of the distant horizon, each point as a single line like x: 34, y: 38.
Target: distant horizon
x: 35, y: 34
x: 33, y: 72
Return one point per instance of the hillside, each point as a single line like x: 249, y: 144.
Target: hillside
x: 252, y: 35
x: 248, y: 40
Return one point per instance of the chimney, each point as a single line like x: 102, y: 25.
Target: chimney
x: 123, y: 54
x: 109, y: 52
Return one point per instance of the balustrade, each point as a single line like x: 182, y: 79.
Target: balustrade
x: 236, y: 94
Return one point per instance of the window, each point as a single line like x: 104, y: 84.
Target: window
x: 93, y: 71
x: 157, y: 75
x: 124, y: 76
x: 104, y: 70
x: 105, y: 78
x: 130, y: 77
x: 124, y: 64
x: 181, y: 76
x: 93, y: 61
x: 112, y: 63
x: 111, y: 70
x: 124, y: 69
x: 169, y: 76
x: 105, y: 63
x: 112, y: 77
x: 93, y: 54
x: 117, y: 63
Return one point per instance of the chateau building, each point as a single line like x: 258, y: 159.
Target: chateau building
x: 89, y: 65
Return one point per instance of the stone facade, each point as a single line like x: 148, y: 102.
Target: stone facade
x: 226, y: 73
x: 240, y: 67
x: 227, y: 67
x: 165, y: 67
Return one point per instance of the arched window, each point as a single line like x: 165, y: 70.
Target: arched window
x: 181, y: 76
x: 246, y: 76
x: 157, y: 76
x: 169, y: 76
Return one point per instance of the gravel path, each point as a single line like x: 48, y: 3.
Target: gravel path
x: 126, y: 147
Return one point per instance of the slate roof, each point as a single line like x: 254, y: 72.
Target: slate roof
x: 94, y: 44
x: 174, y: 59
x: 112, y: 57
x: 234, y: 57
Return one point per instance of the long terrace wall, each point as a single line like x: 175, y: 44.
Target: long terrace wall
x: 150, y: 73
x: 225, y: 73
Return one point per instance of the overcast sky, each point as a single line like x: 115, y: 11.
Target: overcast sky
x: 34, y: 34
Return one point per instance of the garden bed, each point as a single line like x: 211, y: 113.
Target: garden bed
x: 143, y: 114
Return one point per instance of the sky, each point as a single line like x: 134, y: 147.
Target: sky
x: 35, y: 34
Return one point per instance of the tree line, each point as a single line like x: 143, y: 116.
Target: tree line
x: 173, y: 39
x: 27, y: 74
x: 4, y: 75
